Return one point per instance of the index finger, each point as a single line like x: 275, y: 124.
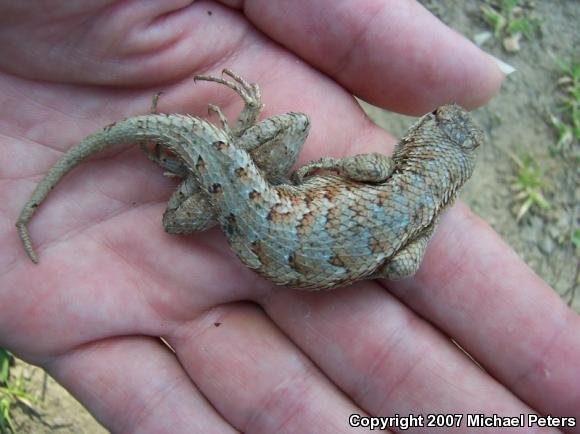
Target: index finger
x: 392, y: 54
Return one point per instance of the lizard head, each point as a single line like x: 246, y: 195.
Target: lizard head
x: 461, y: 134
x: 457, y: 125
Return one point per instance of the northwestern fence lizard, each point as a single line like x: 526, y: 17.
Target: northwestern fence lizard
x: 366, y: 216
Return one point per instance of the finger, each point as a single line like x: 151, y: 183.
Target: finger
x: 255, y: 377
x: 118, y: 43
x: 474, y: 287
x: 394, y: 54
x: 136, y: 385
x: 385, y: 357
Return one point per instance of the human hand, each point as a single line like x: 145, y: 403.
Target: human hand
x: 248, y: 356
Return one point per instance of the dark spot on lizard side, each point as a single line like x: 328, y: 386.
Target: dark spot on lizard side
x: 255, y: 195
x: 230, y: 225
x: 301, y: 264
x: 258, y: 249
x: 200, y: 165
x: 337, y: 261
x: 419, y: 213
x: 217, y: 188
x: 292, y: 260
x: 220, y: 146
x: 109, y: 127
x: 242, y: 173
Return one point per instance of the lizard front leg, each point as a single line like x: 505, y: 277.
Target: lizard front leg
x: 363, y: 167
x: 406, y: 261
x: 189, y: 209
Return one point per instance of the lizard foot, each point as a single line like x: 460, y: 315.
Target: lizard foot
x: 250, y: 94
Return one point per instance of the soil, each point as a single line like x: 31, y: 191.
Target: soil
x: 56, y: 410
x: 517, y: 123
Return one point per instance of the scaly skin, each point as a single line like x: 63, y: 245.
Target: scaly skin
x: 372, y: 219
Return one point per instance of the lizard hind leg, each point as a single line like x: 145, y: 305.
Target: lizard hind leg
x: 212, y: 108
x: 250, y: 94
x: 188, y: 210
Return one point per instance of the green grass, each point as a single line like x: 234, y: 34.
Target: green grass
x: 568, y: 125
x: 571, y: 292
x: 12, y: 392
x: 528, y: 186
x: 6, y: 402
x: 508, y: 18
x: 575, y: 238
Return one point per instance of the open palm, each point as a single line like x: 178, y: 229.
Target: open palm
x: 249, y: 356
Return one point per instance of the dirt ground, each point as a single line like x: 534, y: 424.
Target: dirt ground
x: 516, y: 121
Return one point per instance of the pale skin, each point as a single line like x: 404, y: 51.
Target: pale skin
x: 248, y: 356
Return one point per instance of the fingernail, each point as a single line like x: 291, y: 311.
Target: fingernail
x: 506, y: 68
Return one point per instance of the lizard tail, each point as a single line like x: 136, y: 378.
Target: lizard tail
x: 89, y: 146
x: 137, y: 130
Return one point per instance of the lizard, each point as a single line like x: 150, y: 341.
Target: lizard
x: 333, y: 222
